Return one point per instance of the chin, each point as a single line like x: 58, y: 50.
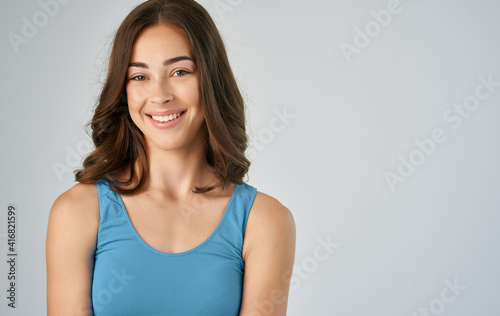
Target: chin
x: 169, y: 145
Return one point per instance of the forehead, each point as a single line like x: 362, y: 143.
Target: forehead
x: 161, y: 41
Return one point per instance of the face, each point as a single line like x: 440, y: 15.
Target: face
x: 163, y: 89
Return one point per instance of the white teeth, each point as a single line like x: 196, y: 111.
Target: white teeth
x: 165, y: 118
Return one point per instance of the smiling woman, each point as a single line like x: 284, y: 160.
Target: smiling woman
x: 161, y: 222
x: 155, y: 79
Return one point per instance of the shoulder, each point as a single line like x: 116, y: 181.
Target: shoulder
x: 78, y: 197
x: 70, y: 245
x: 76, y: 208
x: 268, y: 207
x: 268, y: 220
x: 268, y: 253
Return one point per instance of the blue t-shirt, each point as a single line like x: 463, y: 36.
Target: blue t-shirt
x: 132, y: 278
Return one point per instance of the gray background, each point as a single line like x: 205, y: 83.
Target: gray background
x: 351, y: 121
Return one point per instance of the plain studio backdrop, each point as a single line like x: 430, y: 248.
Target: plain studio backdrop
x: 374, y: 122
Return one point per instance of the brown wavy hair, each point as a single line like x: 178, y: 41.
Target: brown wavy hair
x: 119, y: 143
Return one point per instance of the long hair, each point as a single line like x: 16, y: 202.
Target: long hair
x: 119, y: 143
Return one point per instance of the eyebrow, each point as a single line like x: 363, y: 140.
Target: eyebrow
x: 166, y: 63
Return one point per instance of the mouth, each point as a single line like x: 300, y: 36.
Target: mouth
x: 166, y: 118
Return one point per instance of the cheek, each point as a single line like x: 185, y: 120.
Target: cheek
x: 135, y: 99
x: 136, y: 95
x: 193, y: 96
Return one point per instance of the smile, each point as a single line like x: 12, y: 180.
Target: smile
x: 166, y: 118
x: 166, y: 121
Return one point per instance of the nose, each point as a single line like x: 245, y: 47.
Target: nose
x: 161, y: 92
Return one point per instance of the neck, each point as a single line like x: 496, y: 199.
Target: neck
x: 175, y: 173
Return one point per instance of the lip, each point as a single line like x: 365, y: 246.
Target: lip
x: 165, y: 113
x: 169, y: 124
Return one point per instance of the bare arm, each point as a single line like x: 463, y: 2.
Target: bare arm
x: 269, y: 253
x: 70, y: 245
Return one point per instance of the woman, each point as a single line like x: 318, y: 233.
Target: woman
x: 161, y: 222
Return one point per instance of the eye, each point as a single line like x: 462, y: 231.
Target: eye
x: 182, y: 72
x: 138, y: 78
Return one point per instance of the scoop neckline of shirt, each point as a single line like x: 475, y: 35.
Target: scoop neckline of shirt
x: 175, y: 254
